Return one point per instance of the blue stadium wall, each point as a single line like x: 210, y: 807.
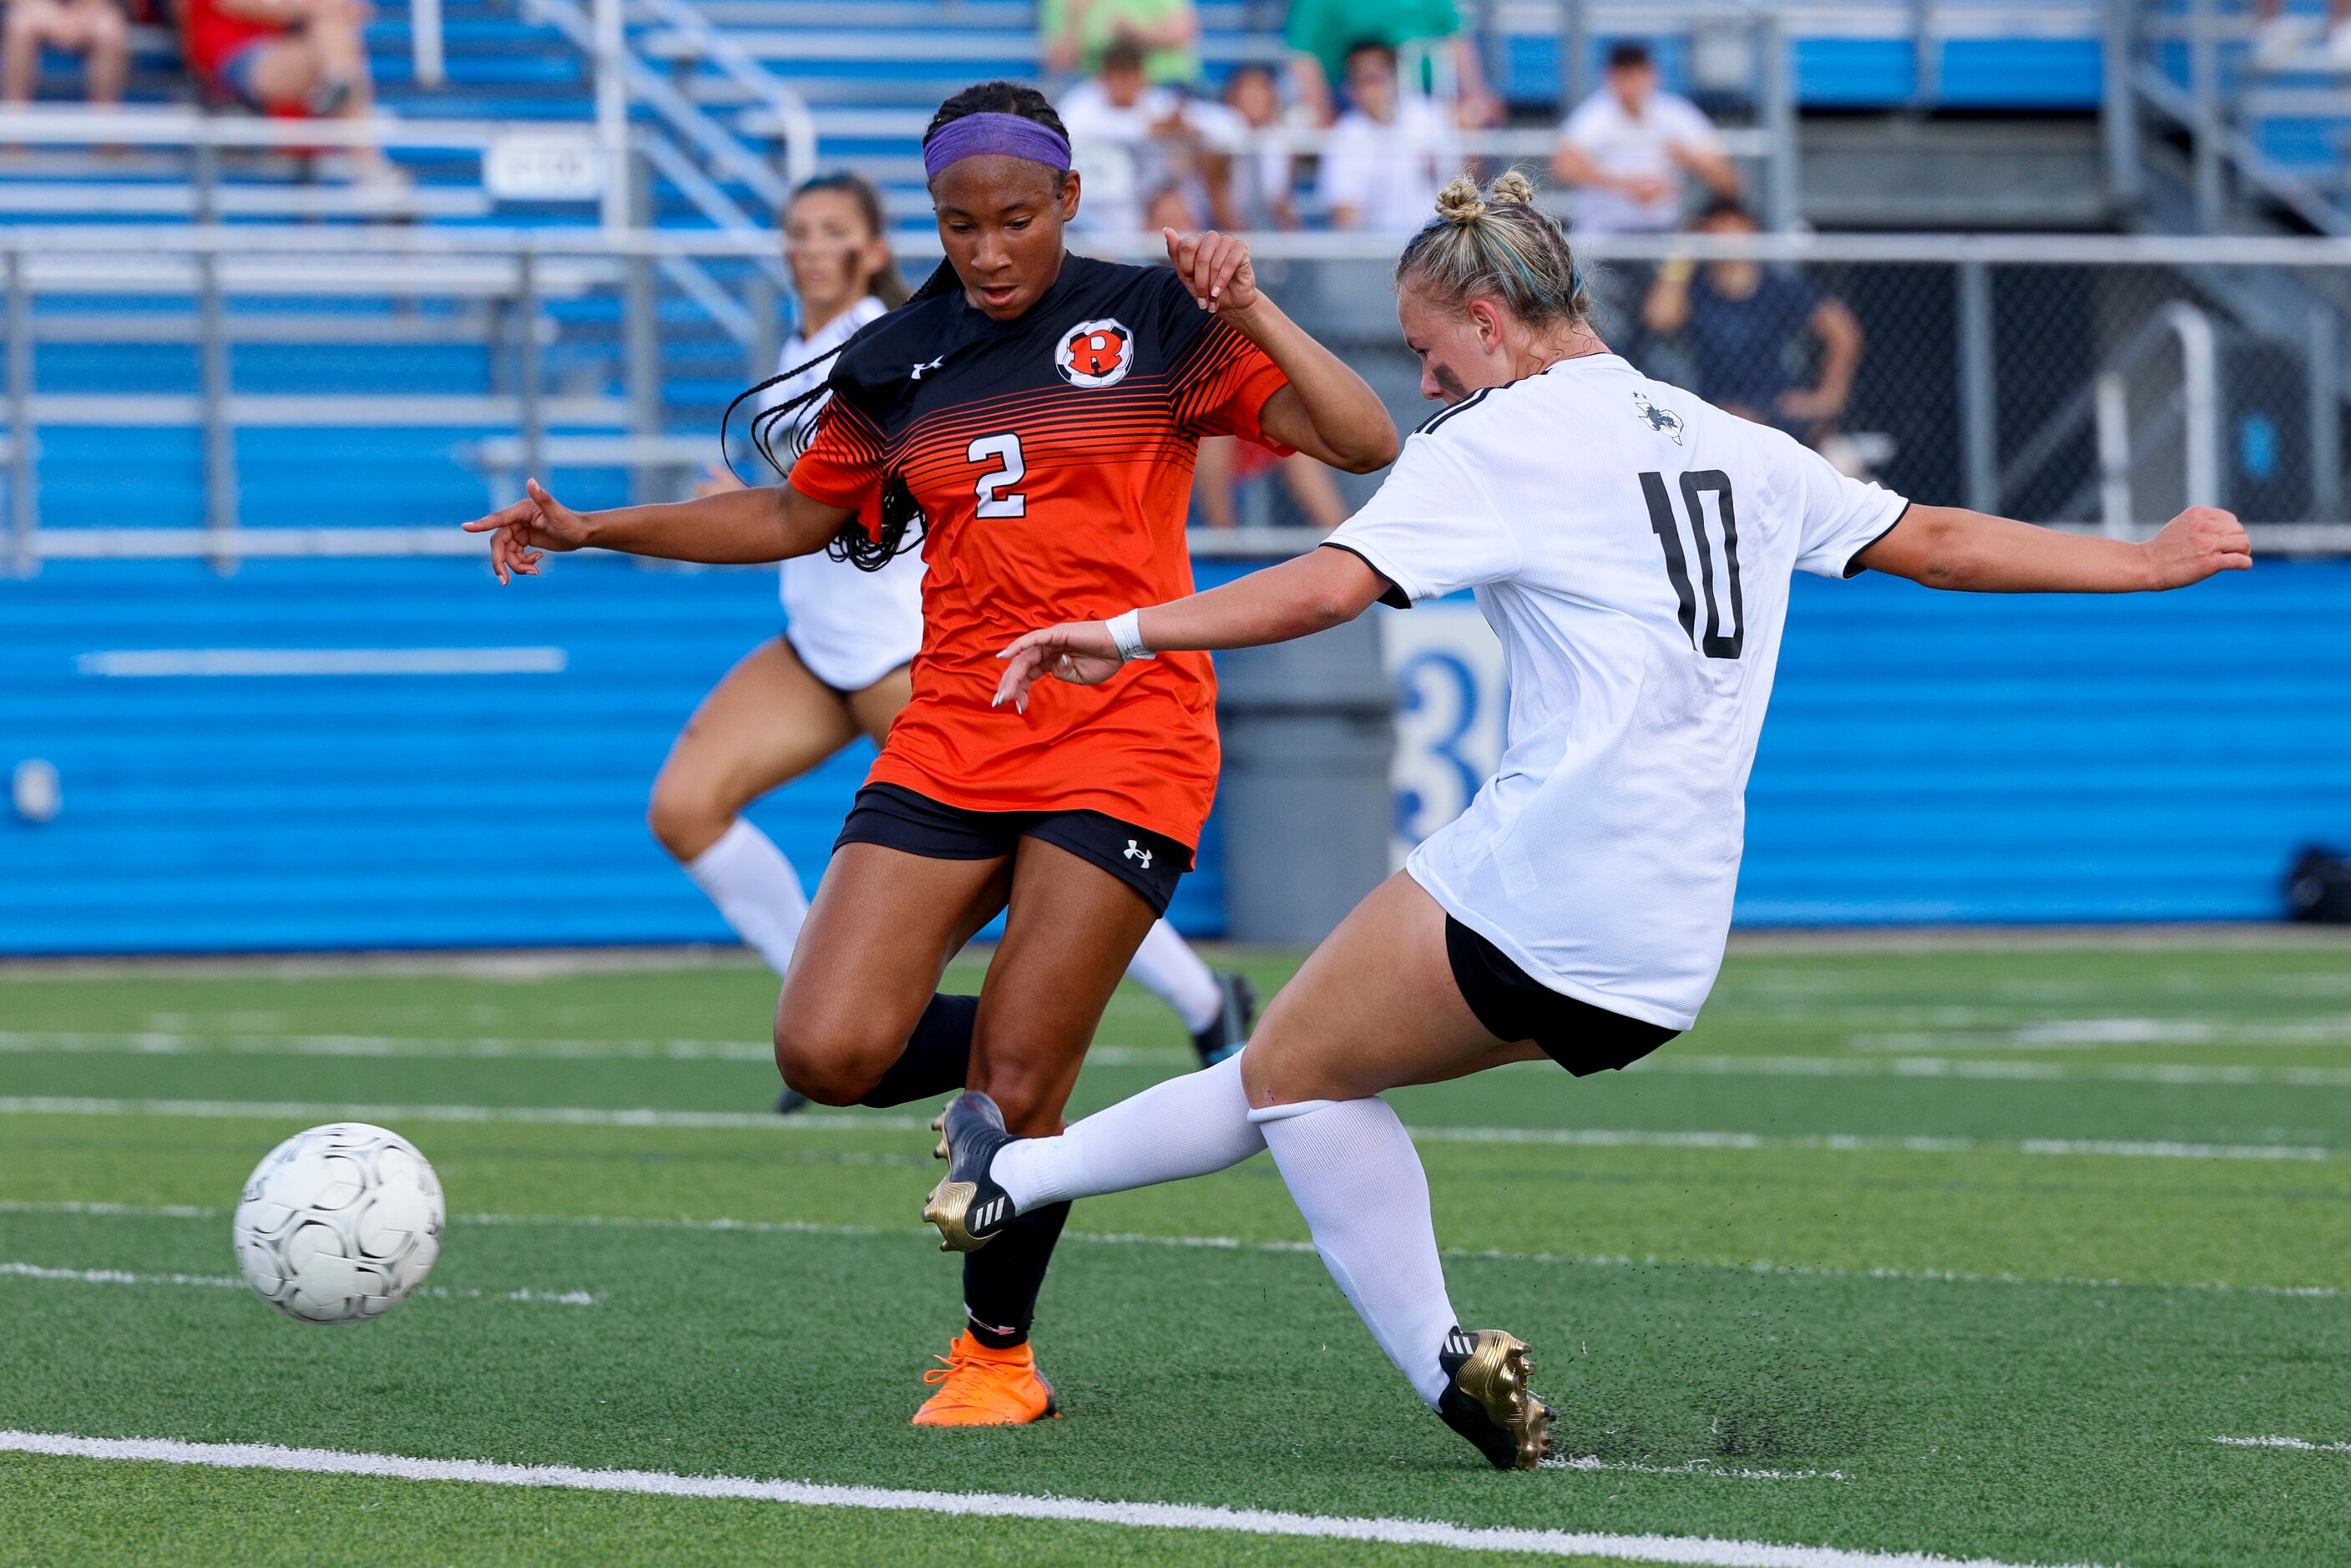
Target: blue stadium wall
x: 1930, y: 757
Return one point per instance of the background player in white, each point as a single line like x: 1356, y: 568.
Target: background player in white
x: 840, y: 669
x: 1632, y: 546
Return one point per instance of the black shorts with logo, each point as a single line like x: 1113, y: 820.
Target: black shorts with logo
x: 899, y: 819
x: 1515, y: 1006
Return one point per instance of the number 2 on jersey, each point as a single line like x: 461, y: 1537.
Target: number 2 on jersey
x: 994, y: 502
x: 1715, y: 644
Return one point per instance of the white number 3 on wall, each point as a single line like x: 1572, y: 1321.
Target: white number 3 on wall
x: 994, y: 501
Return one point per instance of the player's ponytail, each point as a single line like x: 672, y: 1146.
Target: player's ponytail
x: 1496, y: 244
x: 780, y: 432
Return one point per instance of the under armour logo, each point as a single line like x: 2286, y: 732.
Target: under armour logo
x: 1135, y: 852
x: 934, y: 365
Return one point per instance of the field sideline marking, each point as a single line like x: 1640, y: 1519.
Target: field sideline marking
x: 1231, y: 1244
x: 163, y: 1042
x: 1687, y: 1550
x: 11, y: 1270
x: 1569, y: 1137
x: 2298, y: 1444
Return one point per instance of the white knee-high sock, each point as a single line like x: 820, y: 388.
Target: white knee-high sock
x: 1351, y: 1168
x: 1167, y: 966
x: 755, y: 888
x: 1185, y: 1126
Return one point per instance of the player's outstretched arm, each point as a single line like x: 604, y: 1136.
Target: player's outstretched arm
x: 1327, y: 410
x: 732, y: 527
x: 1948, y: 547
x: 1319, y: 590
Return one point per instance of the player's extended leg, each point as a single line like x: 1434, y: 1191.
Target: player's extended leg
x: 766, y: 721
x: 1068, y: 932
x: 1374, y: 1006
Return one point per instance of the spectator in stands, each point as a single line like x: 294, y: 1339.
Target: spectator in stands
x: 1389, y: 154
x: 95, y: 29
x: 1131, y: 141
x: 2279, y: 38
x: 1626, y: 149
x: 1322, y: 33
x: 1263, y: 177
x: 1225, y: 464
x: 1079, y: 33
x: 1745, y: 328
x: 301, y: 57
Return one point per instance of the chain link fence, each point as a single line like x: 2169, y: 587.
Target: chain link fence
x: 2090, y: 381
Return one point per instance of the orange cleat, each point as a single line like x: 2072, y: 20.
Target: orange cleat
x: 982, y: 1387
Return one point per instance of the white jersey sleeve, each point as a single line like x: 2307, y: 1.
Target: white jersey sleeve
x: 1839, y: 517
x: 1432, y: 530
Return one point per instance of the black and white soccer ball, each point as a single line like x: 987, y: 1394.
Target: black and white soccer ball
x: 338, y: 1224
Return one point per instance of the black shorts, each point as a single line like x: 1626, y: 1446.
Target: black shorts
x: 1580, y: 1037
x: 899, y: 819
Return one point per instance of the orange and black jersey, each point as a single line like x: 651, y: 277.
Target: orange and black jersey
x: 1052, y: 458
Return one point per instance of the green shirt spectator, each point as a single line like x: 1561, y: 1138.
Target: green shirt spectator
x: 1321, y: 32
x: 1076, y: 33
x: 1327, y: 30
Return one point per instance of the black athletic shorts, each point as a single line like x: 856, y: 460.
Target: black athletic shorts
x: 899, y: 819
x: 1580, y: 1037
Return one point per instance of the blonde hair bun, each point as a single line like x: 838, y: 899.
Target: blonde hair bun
x: 1513, y: 189
x: 1459, y: 201
x: 1496, y: 242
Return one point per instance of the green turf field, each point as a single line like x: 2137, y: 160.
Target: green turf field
x: 1975, y: 1251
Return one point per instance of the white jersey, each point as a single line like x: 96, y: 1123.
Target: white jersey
x: 850, y: 627
x: 1632, y: 547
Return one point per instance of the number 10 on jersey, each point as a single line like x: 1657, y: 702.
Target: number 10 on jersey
x: 1715, y: 644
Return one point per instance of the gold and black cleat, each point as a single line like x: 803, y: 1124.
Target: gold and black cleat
x: 1488, y: 1402
x: 967, y: 1208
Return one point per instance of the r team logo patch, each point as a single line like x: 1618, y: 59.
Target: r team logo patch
x: 1095, y: 353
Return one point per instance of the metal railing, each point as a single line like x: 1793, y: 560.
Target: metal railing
x: 2224, y: 161
x: 624, y: 78
x: 2191, y: 417
x: 1978, y: 382
x: 207, y: 193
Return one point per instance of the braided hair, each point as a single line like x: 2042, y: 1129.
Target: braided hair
x: 779, y: 434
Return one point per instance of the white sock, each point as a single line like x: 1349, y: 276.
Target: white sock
x: 1167, y: 963
x: 1354, y: 1175
x: 755, y: 888
x: 1185, y: 1126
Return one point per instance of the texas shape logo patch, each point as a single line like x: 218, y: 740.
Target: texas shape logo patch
x: 1095, y: 353
x: 1664, y: 420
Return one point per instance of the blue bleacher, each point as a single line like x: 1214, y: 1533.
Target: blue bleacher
x: 872, y: 86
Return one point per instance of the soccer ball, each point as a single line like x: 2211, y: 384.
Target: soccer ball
x: 338, y: 1224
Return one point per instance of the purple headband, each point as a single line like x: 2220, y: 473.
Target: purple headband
x: 976, y: 134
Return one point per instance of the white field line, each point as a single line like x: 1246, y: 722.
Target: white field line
x: 226, y: 1282
x: 1687, y: 1550
x: 2016, y: 1072
x: 1236, y: 1244
x: 1694, y: 1468
x: 149, y: 1042
x: 2298, y: 1444
x: 1566, y: 1137
x: 156, y: 1042
x: 2103, y: 1033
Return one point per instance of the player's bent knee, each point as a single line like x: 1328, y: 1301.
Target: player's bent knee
x: 685, y: 819
x: 832, y: 1066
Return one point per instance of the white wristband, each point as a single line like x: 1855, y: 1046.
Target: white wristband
x: 1126, y: 635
